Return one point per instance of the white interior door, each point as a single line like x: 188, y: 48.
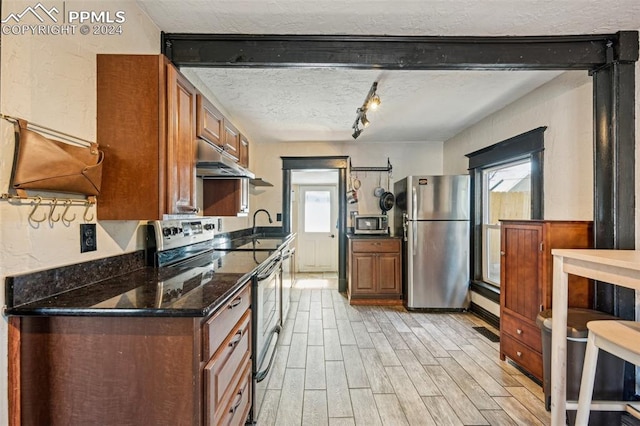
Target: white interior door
x: 317, y: 232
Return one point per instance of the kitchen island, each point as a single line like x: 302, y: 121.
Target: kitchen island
x: 163, y: 346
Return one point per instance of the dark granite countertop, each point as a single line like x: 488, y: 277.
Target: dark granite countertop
x: 193, y: 291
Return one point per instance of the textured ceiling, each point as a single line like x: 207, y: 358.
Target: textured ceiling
x: 320, y: 104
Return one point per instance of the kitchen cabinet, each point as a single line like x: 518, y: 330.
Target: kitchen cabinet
x: 231, y: 140
x: 225, y: 197
x: 374, y: 270
x: 526, y: 275
x: 244, y: 151
x: 137, y: 370
x: 210, y: 122
x: 146, y: 125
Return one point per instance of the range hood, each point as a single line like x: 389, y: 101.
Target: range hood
x: 213, y: 163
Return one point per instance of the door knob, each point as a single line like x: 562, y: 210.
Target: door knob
x: 332, y: 236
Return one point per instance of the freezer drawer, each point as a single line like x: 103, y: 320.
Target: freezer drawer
x: 437, y: 265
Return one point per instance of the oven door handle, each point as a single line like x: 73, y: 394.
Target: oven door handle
x: 260, y: 375
x: 275, y: 265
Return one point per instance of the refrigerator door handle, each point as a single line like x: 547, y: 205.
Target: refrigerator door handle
x: 414, y: 202
x: 405, y: 223
x: 414, y: 231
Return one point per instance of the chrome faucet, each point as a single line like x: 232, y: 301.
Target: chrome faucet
x: 253, y: 228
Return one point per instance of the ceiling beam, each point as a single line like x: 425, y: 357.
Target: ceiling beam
x: 585, y: 52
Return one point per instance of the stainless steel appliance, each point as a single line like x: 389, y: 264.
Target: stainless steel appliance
x: 288, y: 278
x: 267, y: 303
x: 370, y: 224
x: 432, y: 213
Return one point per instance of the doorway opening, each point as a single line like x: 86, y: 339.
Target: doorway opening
x: 314, y: 198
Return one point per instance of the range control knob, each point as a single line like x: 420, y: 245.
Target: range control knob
x: 208, y: 226
x: 166, y: 232
x: 174, y: 230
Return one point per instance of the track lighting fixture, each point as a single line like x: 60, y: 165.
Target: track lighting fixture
x: 372, y: 101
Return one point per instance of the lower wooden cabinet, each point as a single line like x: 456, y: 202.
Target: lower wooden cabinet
x: 134, y: 370
x: 375, y: 269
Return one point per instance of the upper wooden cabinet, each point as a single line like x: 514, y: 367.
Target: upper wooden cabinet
x: 231, y: 140
x: 244, y: 151
x: 146, y: 121
x: 210, y: 122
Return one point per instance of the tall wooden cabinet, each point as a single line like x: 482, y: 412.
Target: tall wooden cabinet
x: 146, y: 112
x: 526, y: 275
x: 375, y: 270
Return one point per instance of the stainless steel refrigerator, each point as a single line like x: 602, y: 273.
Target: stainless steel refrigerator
x: 432, y: 215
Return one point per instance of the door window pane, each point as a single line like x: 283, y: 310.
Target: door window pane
x: 317, y: 211
x: 506, y: 195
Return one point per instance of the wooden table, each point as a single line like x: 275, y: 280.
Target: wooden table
x: 619, y: 267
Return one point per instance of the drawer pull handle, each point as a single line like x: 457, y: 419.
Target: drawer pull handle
x: 238, y: 336
x: 237, y: 404
x: 235, y: 303
x: 519, y: 331
x: 519, y: 354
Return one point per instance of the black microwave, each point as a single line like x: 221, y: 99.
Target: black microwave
x: 370, y: 224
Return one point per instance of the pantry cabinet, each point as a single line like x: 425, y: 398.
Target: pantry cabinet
x: 526, y: 278
x: 374, y: 270
x: 146, y: 125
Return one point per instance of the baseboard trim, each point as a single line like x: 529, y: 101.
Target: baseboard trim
x: 485, y: 315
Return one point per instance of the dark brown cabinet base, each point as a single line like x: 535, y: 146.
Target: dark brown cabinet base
x: 69, y: 370
x: 375, y: 271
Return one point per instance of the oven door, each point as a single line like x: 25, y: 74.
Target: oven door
x: 266, y: 317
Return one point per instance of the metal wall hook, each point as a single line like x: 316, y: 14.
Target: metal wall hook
x: 54, y: 204
x: 86, y: 210
x: 35, y: 207
x: 66, y: 209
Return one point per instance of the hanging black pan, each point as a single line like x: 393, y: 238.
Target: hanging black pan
x: 387, y: 200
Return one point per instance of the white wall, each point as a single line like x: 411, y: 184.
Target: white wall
x: 564, y: 105
x: 405, y: 158
x: 51, y: 80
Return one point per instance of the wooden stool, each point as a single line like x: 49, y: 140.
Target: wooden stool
x: 620, y: 338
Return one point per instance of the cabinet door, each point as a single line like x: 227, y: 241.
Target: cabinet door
x: 180, y: 177
x: 244, y: 151
x: 389, y: 273
x: 210, y: 121
x: 364, y: 274
x: 521, y: 269
x: 231, y: 140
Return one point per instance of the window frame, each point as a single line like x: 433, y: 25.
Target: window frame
x: 528, y: 145
x: 485, y: 211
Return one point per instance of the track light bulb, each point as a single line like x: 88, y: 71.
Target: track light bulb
x: 364, y: 121
x: 356, y: 133
x: 375, y: 102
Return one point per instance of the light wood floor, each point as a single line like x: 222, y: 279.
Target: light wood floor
x: 343, y: 365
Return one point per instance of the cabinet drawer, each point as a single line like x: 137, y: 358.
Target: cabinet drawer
x: 237, y: 411
x: 376, y: 246
x: 218, y: 327
x: 222, y: 373
x: 522, y: 355
x: 521, y: 331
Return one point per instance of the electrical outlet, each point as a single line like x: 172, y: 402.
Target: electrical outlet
x: 278, y: 217
x: 88, y: 238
